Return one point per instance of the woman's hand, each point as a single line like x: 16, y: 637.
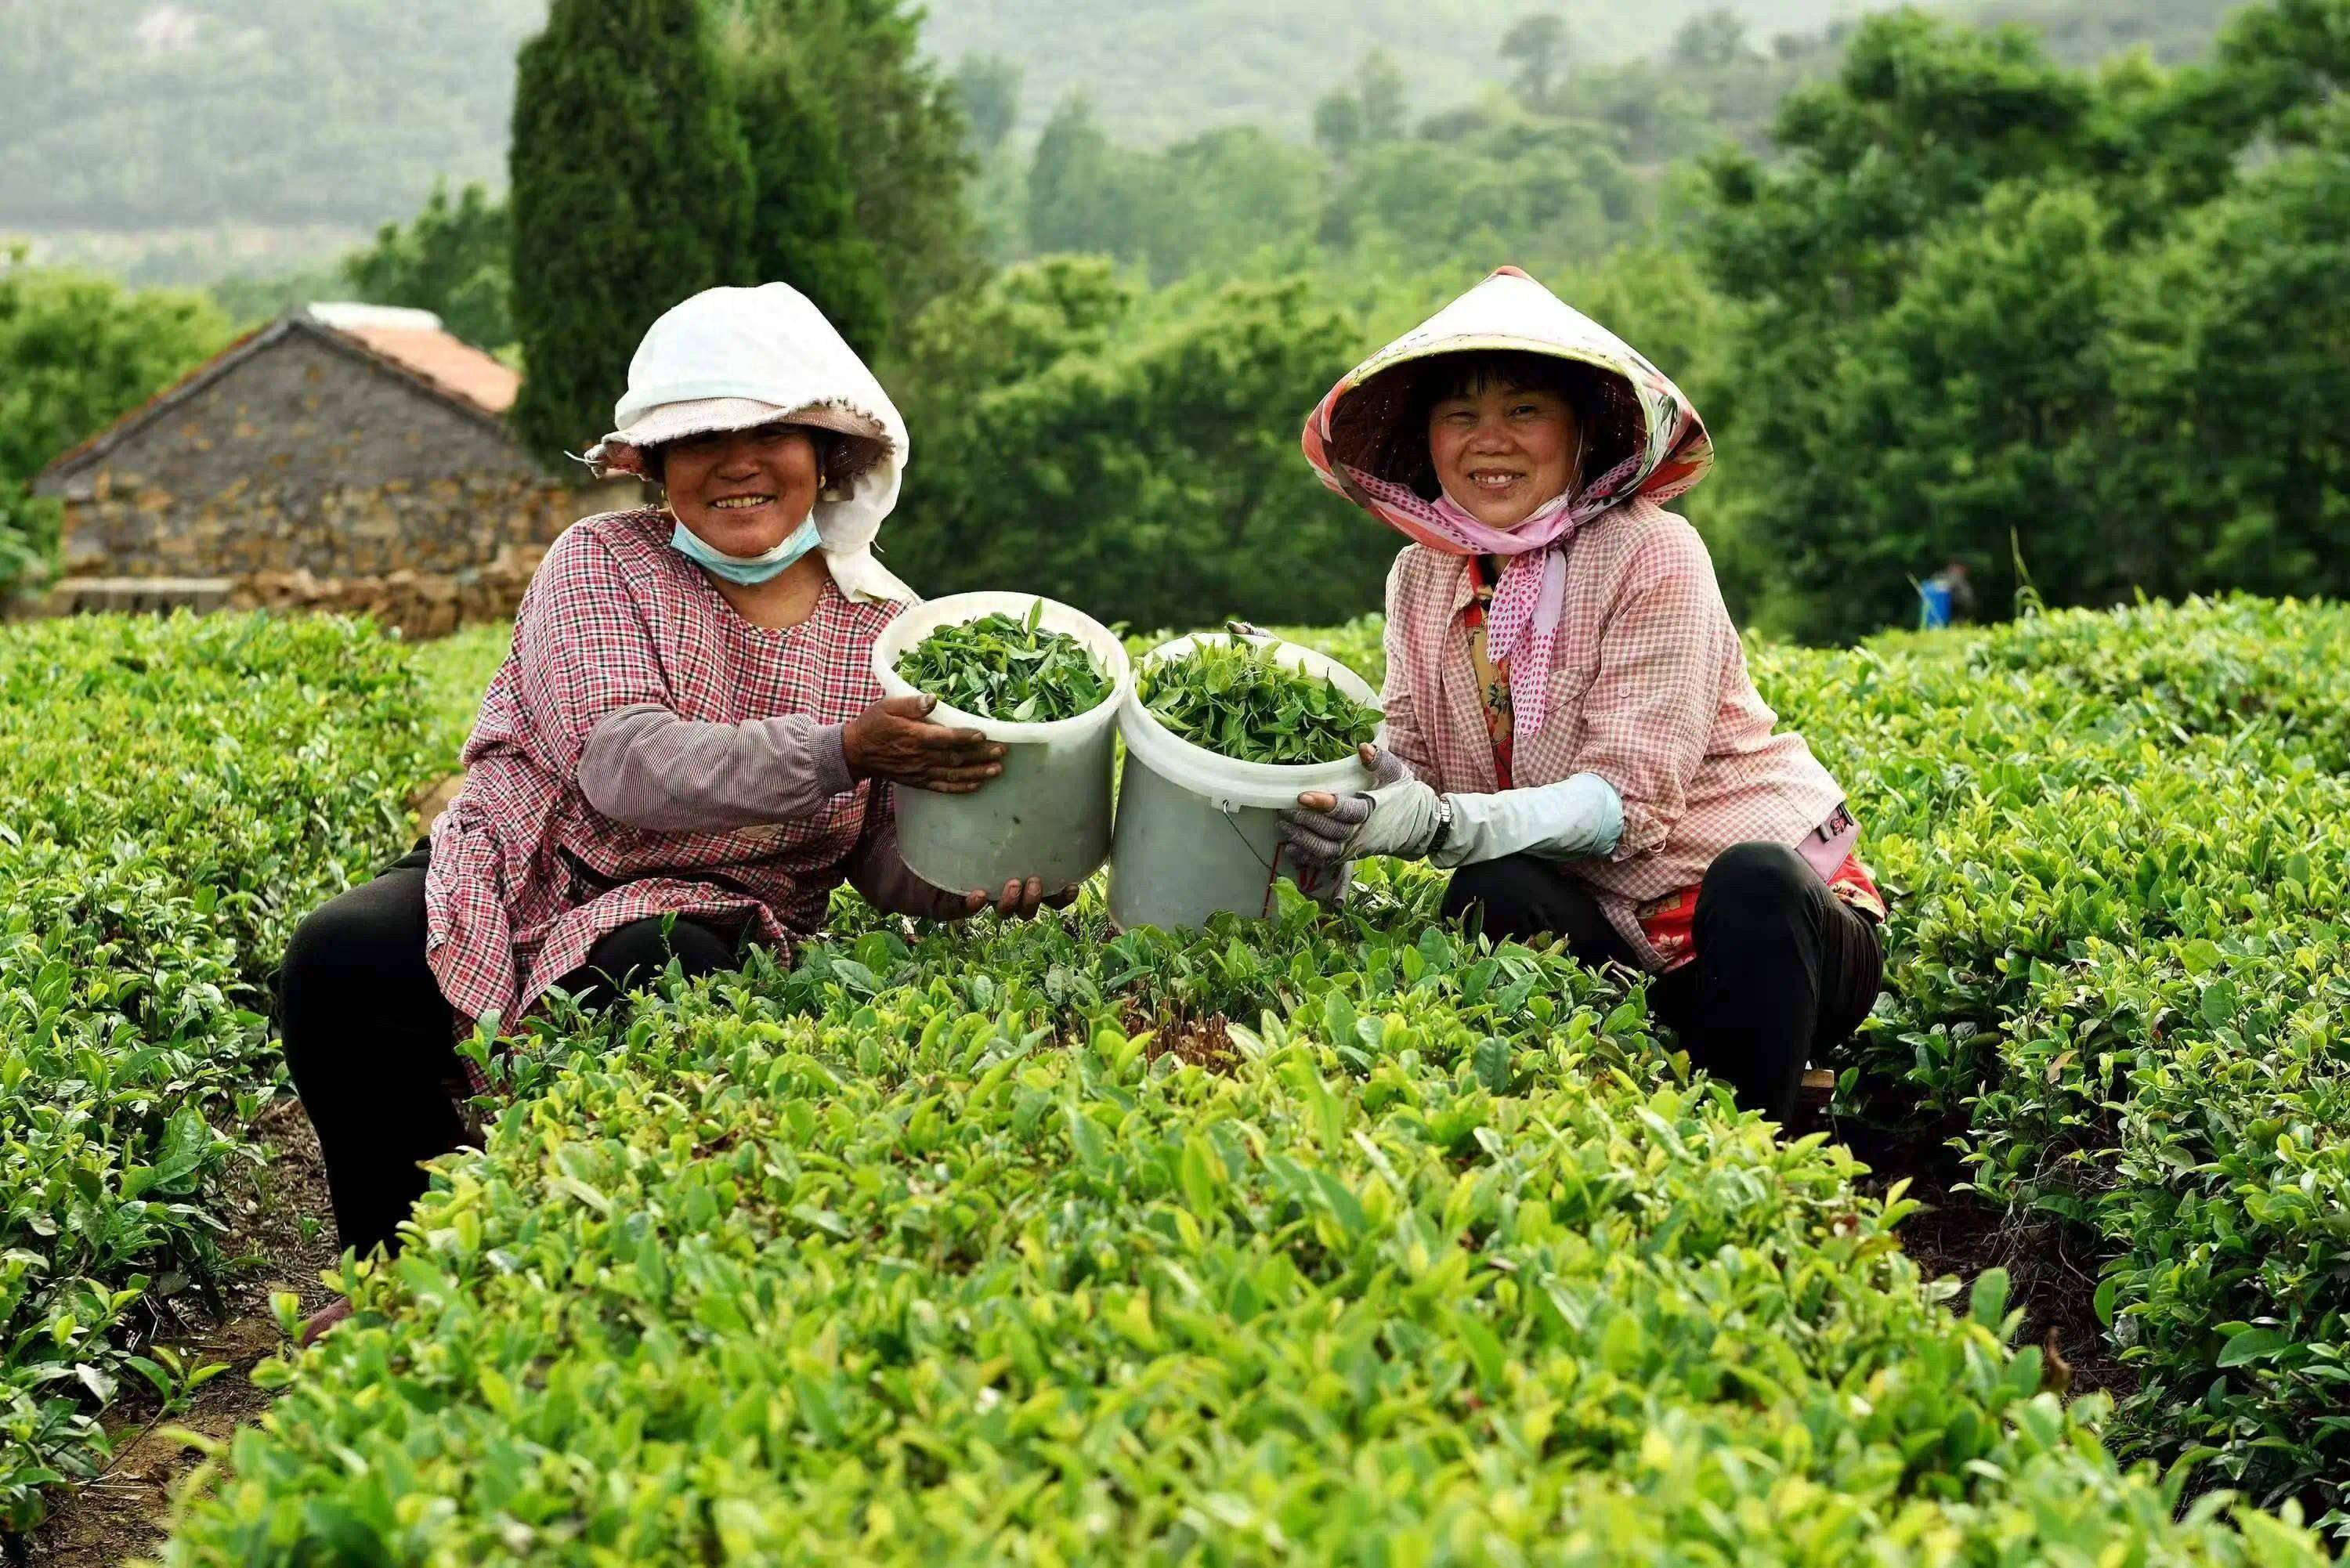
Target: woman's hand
x: 1019, y: 900
x: 1397, y: 816
x: 890, y: 740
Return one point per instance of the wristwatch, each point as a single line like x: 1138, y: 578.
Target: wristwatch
x: 1443, y: 824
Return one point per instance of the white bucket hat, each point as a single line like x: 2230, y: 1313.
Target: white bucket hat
x: 736, y: 358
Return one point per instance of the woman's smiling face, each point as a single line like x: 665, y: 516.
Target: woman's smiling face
x: 1503, y: 452
x: 742, y: 492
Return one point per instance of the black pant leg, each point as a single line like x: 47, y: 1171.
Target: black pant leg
x: 1520, y: 896
x: 1784, y: 968
x: 632, y: 955
x: 368, y: 1040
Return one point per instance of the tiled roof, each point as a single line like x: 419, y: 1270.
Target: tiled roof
x: 449, y: 363
x: 406, y: 343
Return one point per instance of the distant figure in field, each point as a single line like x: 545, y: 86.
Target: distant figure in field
x: 687, y: 726
x: 1569, y: 717
x: 1945, y: 597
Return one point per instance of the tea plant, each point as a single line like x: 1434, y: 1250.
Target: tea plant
x: 1331, y: 1236
x: 173, y: 794
x: 901, y: 1260
x: 1000, y: 667
x: 1239, y: 700
x: 2120, y: 844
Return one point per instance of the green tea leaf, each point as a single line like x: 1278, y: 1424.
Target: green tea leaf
x: 997, y: 667
x: 1239, y: 700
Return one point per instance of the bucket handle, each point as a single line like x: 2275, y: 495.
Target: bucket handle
x: 1272, y: 869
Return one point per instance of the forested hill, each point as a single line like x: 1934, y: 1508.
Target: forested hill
x: 1242, y: 60
x: 144, y: 114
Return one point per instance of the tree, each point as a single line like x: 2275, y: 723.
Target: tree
x: 2235, y: 367
x: 987, y: 90
x: 1082, y: 192
x: 1137, y: 456
x: 1906, y: 211
x: 903, y: 138
x: 454, y: 259
x: 1383, y: 91
x: 1987, y: 298
x: 1712, y: 41
x: 1536, y: 45
x: 802, y: 228
x: 77, y: 352
x: 631, y: 191
x: 1338, y: 124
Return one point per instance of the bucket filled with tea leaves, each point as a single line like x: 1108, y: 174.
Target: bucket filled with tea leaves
x: 1044, y: 679
x: 1222, y: 732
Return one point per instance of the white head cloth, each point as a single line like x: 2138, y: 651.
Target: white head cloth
x: 733, y: 359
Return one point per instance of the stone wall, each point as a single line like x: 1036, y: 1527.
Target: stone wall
x: 307, y: 454
x: 312, y: 477
x: 420, y: 603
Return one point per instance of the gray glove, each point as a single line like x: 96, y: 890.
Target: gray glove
x: 1568, y: 820
x: 1397, y: 816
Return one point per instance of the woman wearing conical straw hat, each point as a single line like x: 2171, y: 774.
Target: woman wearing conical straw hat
x: 1570, y: 723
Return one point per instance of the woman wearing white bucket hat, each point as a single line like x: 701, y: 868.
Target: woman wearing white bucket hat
x: 684, y: 752
x: 1570, y: 723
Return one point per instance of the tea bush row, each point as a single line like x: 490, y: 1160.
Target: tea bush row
x: 2116, y: 847
x: 2120, y: 846
x: 173, y: 794
x: 1000, y: 1248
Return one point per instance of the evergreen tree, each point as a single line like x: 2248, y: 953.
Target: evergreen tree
x: 1538, y: 45
x: 631, y: 190
x: 803, y: 216
x: 1079, y: 197
x: 903, y: 138
x: 987, y: 90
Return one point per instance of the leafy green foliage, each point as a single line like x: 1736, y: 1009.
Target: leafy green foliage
x: 76, y: 352
x: 858, y: 69
x: 2115, y: 849
x: 1134, y: 454
x: 1006, y: 667
x: 2001, y: 305
x: 150, y: 870
x: 1238, y: 700
x: 937, y: 1185
x: 123, y: 114
x: 803, y: 207
x: 929, y: 1253
x: 631, y: 190
x: 453, y: 258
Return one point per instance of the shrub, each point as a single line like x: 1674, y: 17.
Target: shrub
x: 173, y: 794
x: 906, y: 1259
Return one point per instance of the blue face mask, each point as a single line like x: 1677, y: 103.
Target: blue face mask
x: 748, y: 570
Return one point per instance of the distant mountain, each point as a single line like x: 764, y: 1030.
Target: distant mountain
x: 1158, y: 70
x: 152, y: 113
x: 323, y: 118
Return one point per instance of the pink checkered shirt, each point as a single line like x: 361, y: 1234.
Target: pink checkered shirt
x: 1648, y: 690
x: 525, y: 876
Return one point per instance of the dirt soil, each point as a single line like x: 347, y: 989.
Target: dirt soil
x: 2051, y: 1266
x: 121, y: 1514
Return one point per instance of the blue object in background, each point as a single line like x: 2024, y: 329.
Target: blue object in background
x: 1934, y: 604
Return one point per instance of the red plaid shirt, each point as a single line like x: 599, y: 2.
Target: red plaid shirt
x: 1648, y: 690
x: 526, y: 877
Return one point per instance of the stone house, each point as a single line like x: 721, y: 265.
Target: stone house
x: 342, y: 457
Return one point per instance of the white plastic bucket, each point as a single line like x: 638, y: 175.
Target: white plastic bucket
x: 1196, y: 833
x: 1047, y: 815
